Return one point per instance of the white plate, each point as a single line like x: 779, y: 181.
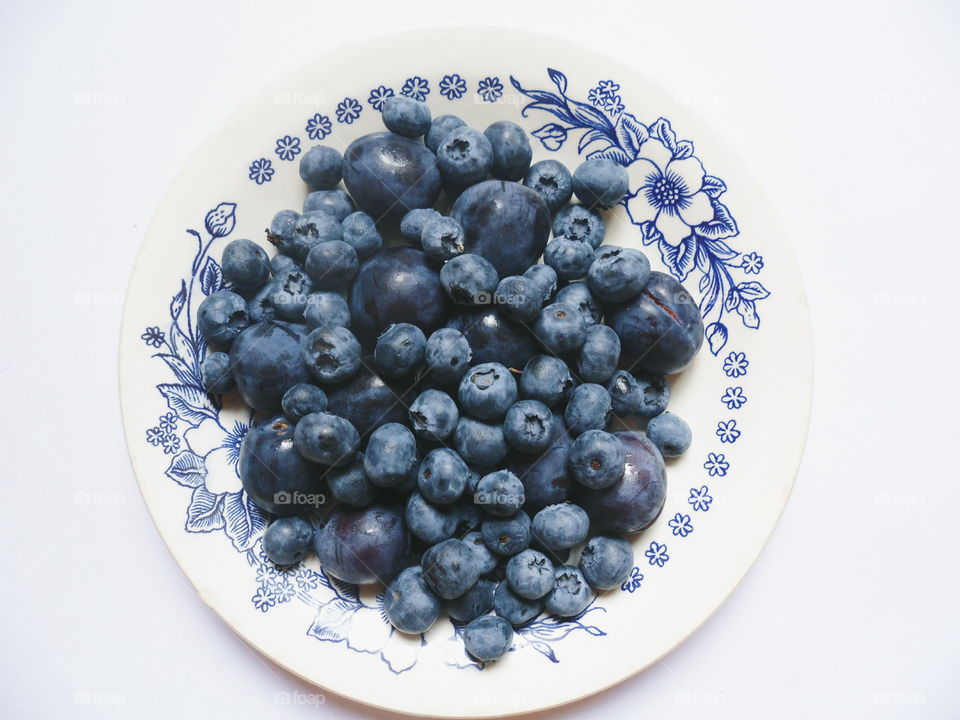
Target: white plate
x: 725, y: 494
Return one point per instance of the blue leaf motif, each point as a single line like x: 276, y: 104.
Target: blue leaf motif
x: 732, y: 300
x: 179, y: 368
x: 186, y: 468
x: 680, y: 258
x: 716, y: 336
x: 551, y: 135
x: 719, y: 249
x: 189, y: 403
x: 204, y: 514
x: 713, y: 186
x: 333, y: 621
x: 752, y: 290
x: 662, y: 131
x: 244, y: 520
x: 544, y: 649
x: 211, y: 277
x: 221, y: 220
x: 590, y: 137
x: 683, y: 151
x: 176, y: 304
x: 649, y: 233
x: 613, y: 153
x: 559, y: 79
x: 631, y: 134
x: 722, y: 226
x: 747, y: 309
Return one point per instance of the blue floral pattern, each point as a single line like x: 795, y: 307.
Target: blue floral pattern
x: 318, y: 127
x: 734, y: 398
x: 632, y: 583
x: 735, y: 365
x: 453, y: 87
x: 287, y: 147
x: 415, y: 87
x: 680, y: 525
x: 716, y: 465
x: 261, y: 171
x: 348, y: 110
x: 490, y: 89
x: 656, y: 554
x: 700, y: 498
x: 378, y: 96
x: 727, y: 431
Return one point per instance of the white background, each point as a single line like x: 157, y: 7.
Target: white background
x: 847, y: 112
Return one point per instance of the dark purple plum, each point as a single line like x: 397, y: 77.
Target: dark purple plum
x: 399, y: 284
x: 661, y: 329
x: 266, y: 360
x: 546, y: 478
x: 389, y: 175
x: 493, y: 338
x: 633, y: 502
x: 364, y: 545
x: 504, y: 222
x: 368, y: 401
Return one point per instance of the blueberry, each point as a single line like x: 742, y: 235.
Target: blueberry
x: 488, y: 638
x: 326, y: 309
x: 571, y: 259
x: 332, y: 264
x: 433, y: 416
x: 331, y: 354
x: 282, y: 228
x: 514, y: 609
x: 447, y: 356
x: 475, y: 602
x: 578, y: 222
x: 670, y: 433
x: 450, y: 568
x: 638, y: 393
x: 571, y: 593
x: 480, y: 442
x: 266, y: 360
x: 321, y: 168
x: 409, y: 604
x: 327, y: 439
x: 487, y: 560
x: 245, y: 264
x: 606, y: 561
x: 596, y: 459
x: 363, y: 545
x: 470, y: 515
x: 216, y: 373
x: 506, y: 536
x: 545, y: 278
x: 287, y: 540
x: 530, y: 574
x: 360, y: 232
x: 634, y: 501
x: 661, y: 328
x: 579, y: 295
x: 349, y: 484
x: 311, y: 229
x: 406, y: 116
x: 391, y: 455
x: 546, y: 378
x: 504, y: 222
x: 546, y: 479
x: 400, y: 350
x: 442, y: 238
x: 260, y: 305
x: 441, y: 126
x: 464, y: 156
x: 487, y: 391
x: 528, y: 426
x: 469, y: 280
x: 560, y: 328
x: 561, y: 526
x: 389, y: 175
x: 493, y: 338
x: 442, y: 476
x: 290, y: 292
x: 511, y: 150
x: 332, y: 202
x: 368, y: 401
x: 589, y: 408
x: 302, y: 399
x: 618, y: 274
x: 599, y: 355
x: 429, y: 521
x: 600, y: 182
x: 222, y: 317
x: 412, y: 224
x: 275, y: 476
x: 552, y: 181
x: 519, y: 298
x: 280, y: 262
x: 500, y: 493
x: 558, y: 556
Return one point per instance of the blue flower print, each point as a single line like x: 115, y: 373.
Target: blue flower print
x: 153, y: 336
x: 633, y: 582
x: 378, y: 96
x: 752, y: 263
x: 284, y: 591
x: 168, y: 422
x: 453, y: 87
x: 614, y: 105
x: 700, y: 498
x: 608, y: 88
x: 657, y: 554
x: 171, y: 443
x: 348, y: 110
x: 263, y: 599
x: 736, y: 365
x: 716, y: 465
x: 603, y: 93
x: 288, y: 147
x: 155, y: 436
x: 727, y: 431
x: 416, y: 87
x: 734, y: 398
x: 233, y: 440
x: 261, y: 171
x: 318, y: 127
x: 490, y: 89
x: 306, y: 579
x: 680, y: 524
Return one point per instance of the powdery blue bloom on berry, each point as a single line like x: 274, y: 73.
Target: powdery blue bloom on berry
x: 288, y: 147
x: 680, y: 524
x: 221, y: 220
x: 378, y: 96
x: 736, y: 365
x: 261, y: 171
x: 700, y: 498
x: 348, y: 110
x: 734, y: 398
x: 416, y: 87
x: 153, y: 336
x: 752, y: 263
x: 632, y: 583
x: 453, y: 87
x: 490, y: 89
x: 727, y: 431
x: 263, y: 599
x: 657, y: 554
x: 318, y: 127
x: 716, y: 465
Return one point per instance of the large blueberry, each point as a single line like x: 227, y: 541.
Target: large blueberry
x: 493, y: 338
x: 505, y: 222
x: 266, y: 360
x: 364, y: 545
x: 368, y: 401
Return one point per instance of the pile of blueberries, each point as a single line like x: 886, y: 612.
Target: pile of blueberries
x: 435, y: 412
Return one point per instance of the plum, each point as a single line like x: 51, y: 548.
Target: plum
x: 368, y: 401
x: 364, y: 545
x: 266, y: 360
x: 493, y: 338
x: 546, y: 478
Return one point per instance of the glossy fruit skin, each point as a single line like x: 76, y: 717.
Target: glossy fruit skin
x: 557, y: 557
x: 504, y: 222
x: 260, y: 304
x: 273, y: 472
x: 368, y: 401
x: 447, y: 356
x: 464, y: 157
x: 506, y: 536
x: 475, y: 602
x: 633, y: 502
x: 321, y: 168
x: 332, y: 202
x: 589, y: 409
x: 514, y: 609
x: 511, y: 150
x: 493, y: 338
x: 302, y: 399
x: 267, y: 360
x: 552, y: 181
x: 480, y: 442
x: 430, y: 522
x: 409, y: 604
x: 469, y: 280
x: 606, y: 561
x: 442, y: 476
x: 442, y: 238
x: 597, y: 459
x: 579, y: 295
x: 349, y: 484
x: 216, y: 373
x: 530, y: 574
x: 326, y: 309
x: 571, y: 593
x: 245, y: 264
x: 391, y: 455
x: 312, y: 228
x: 487, y: 391
x: 281, y: 229
x: 406, y: 116
x: 441, y: 126
x: 546, y: 478
x: 221, y: 317
x: 487, y: 560
x: 519, y: 298
x: 389, y: 175
x: 360, y: 232
x: 661, y: 328
x: 488, y: 638
x: 617, y: 273
x: 397, y: 285
x: 413, y: 223
x: 600, y: 182
x: 638, y: 393
x: 561, y: 526
x: 332, y: 355
x: 280, y: 262
x: 528, y: 426
x: 578, y: 222
x: 363, y: 545
x: 560, y: 328
x: 500, y: 493
x: 287, y: 540
x: 433, y: 416
x: 600, y: 354
x: 545, y: 278
x: 450, y: 568
x: 546, y: 378
x: 670, y: 433
x: 290, y: 292
x: 399, y: 350
x: 326, y: 439
x: 332, y: 264
x: 571, y: 259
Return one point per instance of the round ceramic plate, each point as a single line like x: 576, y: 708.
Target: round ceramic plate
x: 746, y: 396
